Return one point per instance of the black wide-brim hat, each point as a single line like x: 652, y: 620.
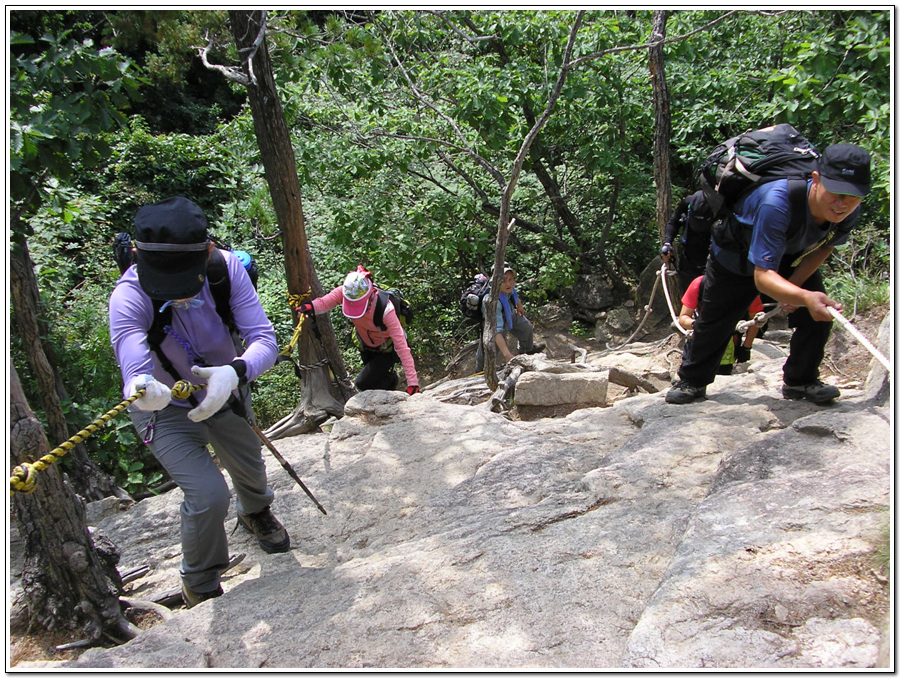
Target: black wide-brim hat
x: 172, y: 249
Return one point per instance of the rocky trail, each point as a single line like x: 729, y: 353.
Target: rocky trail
x: 743, y: 531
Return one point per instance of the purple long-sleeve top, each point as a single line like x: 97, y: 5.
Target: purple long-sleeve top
x: 130, y: 318
x: 372, y: 335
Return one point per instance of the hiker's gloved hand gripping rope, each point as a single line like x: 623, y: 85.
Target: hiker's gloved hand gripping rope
x: 24, y: 476
x: 221, y: 381
x: 156, y: 394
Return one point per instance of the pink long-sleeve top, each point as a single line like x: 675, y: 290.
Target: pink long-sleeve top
x: 372, y: 335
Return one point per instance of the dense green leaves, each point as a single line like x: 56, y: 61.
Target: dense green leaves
x: 59, y: 100
x: 404, y: 124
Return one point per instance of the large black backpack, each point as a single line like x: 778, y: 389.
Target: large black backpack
x: 696, y: 228
x: 742, y: 163
x: 470, y: 299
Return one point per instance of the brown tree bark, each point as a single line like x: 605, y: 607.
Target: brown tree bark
x: 87, y: 478
x: 68, y: 582
x: 662, y: 129
x: 277, y: 153
x: 490, y: 321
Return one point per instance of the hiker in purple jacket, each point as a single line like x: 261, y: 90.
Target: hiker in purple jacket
x: 172, y: 253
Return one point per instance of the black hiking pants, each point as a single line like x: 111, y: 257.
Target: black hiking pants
x: 378, y: 370
x: 726, y: 297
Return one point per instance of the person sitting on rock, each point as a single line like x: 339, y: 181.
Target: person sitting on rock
x: 381, y: 347
x: 738, y: 351
x: 510, y: 318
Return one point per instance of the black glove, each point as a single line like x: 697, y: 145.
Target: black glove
x: 666, y: 250
x: 412, y: 389
x: 307, y: 309
x: 742, y: 354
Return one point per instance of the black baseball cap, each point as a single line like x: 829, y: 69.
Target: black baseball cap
x: 172, y: 247
x: 845, y: 169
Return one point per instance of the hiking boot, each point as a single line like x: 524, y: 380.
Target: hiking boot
x: 192, y: 598
x: 270, y: 533
x: 815, y: 392
x: 537, y: 348
x: 683, y: 392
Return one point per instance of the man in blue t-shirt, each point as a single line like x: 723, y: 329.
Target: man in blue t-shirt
x: 783, y: 268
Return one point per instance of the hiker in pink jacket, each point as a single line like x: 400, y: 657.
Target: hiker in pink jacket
x: 381, y: 336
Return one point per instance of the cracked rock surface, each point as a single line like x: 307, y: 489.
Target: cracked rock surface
x: 736, y: 532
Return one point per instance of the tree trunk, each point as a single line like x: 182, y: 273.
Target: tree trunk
x: 490, y: 324
x: 68, y: 583
x: 662, y: 130
x: 277, y: 153
x: 87, y: 478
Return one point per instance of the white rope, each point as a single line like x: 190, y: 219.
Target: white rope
x: 856, y: 333
x: 647, y: 310
x: 759, y: 319
x: 662, y: 272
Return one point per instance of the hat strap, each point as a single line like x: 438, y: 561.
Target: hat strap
x: 171, y: 247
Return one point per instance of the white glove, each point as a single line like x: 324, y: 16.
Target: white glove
x: 157, y: 396
x: 220, y: 382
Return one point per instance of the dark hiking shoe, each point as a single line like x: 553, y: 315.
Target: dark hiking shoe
x: 683, y: 392
x: 815, y: 392
x: 270, y: 533
x: 191, y: 597
x: 537, y: 348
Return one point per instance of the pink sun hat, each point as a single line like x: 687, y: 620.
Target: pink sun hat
x: 358, y: 288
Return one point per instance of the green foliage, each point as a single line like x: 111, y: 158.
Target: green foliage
x: 60, y: 99
x: 405, y: 181
x: 883, y: 548
x: 860, y: 276
x: 838, y: 84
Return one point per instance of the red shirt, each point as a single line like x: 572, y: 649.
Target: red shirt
x: 691, y: 297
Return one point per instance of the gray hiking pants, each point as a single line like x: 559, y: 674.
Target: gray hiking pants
x: 522, y: 330
x: 180, y: 446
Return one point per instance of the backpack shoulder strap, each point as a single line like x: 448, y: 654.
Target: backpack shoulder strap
x: 797, y: 197
x: 157, y: 333
x: 220, y: 286
x: 381, y: 301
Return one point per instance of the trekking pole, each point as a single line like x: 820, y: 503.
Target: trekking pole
x: 286, y: 466
x: 24, y: 476
x: 241, y: 411
x: 856, y: 333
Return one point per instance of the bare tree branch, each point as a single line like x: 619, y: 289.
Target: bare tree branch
x: 652, y: 43
x: 488, y: 167
x: 247, y: 53
x: 467, y: 38
x: 490, y: 324
x: 231, y: 73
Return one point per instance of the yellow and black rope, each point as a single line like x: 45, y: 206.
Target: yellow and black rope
x: 294, y: 301
x: 24, y: 476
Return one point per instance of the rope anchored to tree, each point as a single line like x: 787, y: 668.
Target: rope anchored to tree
x: 294, y: 301
x: 24, y: 476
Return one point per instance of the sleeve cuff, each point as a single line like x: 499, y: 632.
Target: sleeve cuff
x: 240, y: 367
